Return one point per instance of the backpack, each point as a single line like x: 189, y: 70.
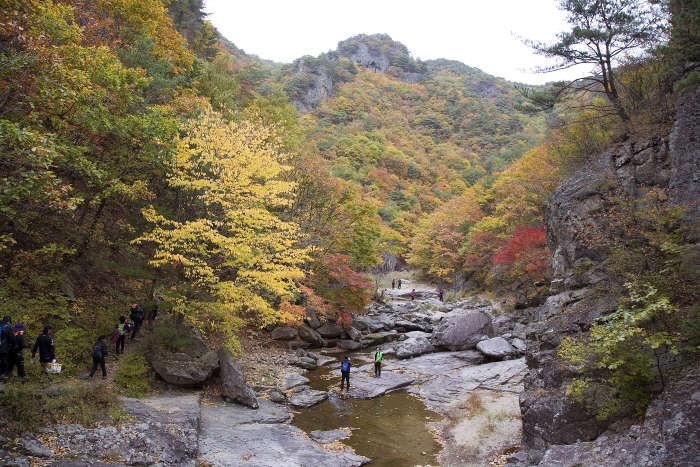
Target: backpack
x: 97, y: 351
x: 345, y: 366
x: 123, y: 328
x: 4, y: 343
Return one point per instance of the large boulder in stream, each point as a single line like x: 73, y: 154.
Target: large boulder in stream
x: 233, y: 384
x: 413, y: 346
x: 462, y: 330
x: 294, y: 380
x: 497, y: 348
x: 307, y: 397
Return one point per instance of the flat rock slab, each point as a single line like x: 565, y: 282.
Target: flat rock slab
x: 163, y: 429
x: 180, y: 409
x: 239, y: 414
x: 498, y: 376
x: 504, y: 376
x: 365, y: 386
x: 265, y: 446
x: 430, y: 364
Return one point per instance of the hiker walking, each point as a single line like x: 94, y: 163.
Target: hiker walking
x: 17, y: 357
x: 7, y: 345
x: 44, y: 344
x: 119, y: 334
x: 393, y: 284
x: 153, y: 312
x: 377, y: 358
x: 99, y: 352
x: 441, y: 294
x: 136, y: 315
x: 413, y: 294
x: 399, y: 283
x: 345, y: 372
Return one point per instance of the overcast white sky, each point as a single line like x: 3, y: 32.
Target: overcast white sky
x: 479, y: 33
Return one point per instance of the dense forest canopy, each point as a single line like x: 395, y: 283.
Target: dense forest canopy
x: 143, y: 152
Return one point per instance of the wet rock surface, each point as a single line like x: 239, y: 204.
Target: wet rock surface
x: 306, y: 397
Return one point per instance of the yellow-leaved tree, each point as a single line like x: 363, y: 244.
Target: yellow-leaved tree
x: 232, y: 260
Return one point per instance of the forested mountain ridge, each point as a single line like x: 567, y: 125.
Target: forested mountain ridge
x: 410, y: 135
x: 102, y: 195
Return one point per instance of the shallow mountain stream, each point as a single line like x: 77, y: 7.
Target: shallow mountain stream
x: 391, y: 429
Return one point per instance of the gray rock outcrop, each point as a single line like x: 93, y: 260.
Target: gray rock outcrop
x: 327, y: 330
x: 284, y: 333
x: 182, y: 369
x: 670, y: 435
x: 295, y: 380
x: 462, y: 330
x: 194, y: 364
x: 236, y: 436
x: 496, y: 348
x: 312, y: 318
x: 506, y: 376
x: 233, y: 384
x: 307, y: 397
x: 312, y: 336
x: 413, y: 346
x: 554, y: 426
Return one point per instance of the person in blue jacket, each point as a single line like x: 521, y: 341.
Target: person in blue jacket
x: 345, y: 372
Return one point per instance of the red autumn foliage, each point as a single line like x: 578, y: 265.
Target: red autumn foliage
x: 337, y: 289
x: 525, y: 253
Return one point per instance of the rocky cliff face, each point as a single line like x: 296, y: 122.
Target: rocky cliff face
x: 372, y: 52
x: 358, y: 50
x: 550, y: 419
x: 319, y: 91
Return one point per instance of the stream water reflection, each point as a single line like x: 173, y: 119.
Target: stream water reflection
x: 389, y: 429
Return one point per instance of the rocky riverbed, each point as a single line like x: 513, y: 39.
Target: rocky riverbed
x: 476, y: 391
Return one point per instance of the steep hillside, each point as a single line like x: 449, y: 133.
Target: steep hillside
x: 410, y: 134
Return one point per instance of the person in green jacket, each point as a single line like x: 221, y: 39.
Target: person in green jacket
x: 377, y: 357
